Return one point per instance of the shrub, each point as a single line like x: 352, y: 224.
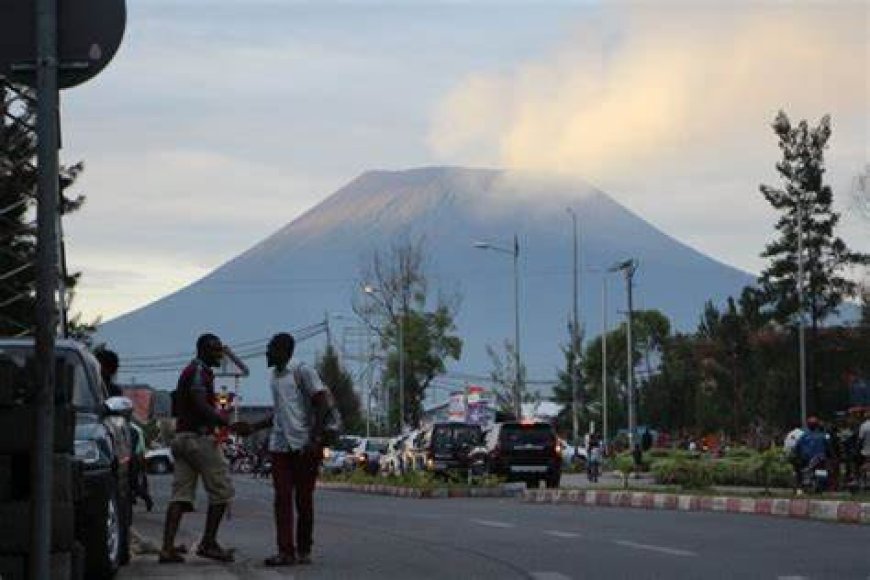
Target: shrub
x: 687, y: 473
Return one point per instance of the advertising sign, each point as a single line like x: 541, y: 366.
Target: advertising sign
x: 456, y: 406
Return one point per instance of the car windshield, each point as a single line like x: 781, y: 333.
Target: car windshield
x: 377, y: 446
x: 534, y: 434
x: 451, y: 436
x: 346, y: 444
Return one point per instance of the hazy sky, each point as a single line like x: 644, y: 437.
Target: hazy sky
x: 218, y: 122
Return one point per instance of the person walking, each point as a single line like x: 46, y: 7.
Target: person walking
x: 197, y: 454
x: 295, y: 443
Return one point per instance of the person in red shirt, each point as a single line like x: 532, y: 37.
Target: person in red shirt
x: 197, y: 454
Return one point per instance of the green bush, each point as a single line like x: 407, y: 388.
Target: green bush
x: 740, y: 453
x: 687, y: 473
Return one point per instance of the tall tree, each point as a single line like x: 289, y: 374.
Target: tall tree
x: 504, y: 377
x: 570, y: 375
x: 396, y: 303
x: 339, y: 381
x: 17, y: 226
x: 804, y: 195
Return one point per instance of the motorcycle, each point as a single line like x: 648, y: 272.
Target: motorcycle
x: 814, y: 476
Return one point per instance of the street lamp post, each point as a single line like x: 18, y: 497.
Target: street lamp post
x: 605, y: 330
x: 370, y: 290
x: 515, y: 252
x: 575, y: 333
x: 802, y: 357
x: 629, y: 267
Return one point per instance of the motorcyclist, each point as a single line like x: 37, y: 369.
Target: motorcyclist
x: 813, y: 449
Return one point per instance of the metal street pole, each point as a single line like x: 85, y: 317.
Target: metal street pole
x: 800, y: 292
x: 515, y: 252
x: 632, y: 420
x: 575, y: 331
x: 402, y: 372
x: 628, y: 268
x: 46, y: 285
x: 518, y: 404
x: 604, y: 332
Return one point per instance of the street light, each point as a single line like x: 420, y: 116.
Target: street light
x: 370, y: 290
x: 575, y: 333
x: 629, y: 267
x: 802, y: 356
x: 515, y: 252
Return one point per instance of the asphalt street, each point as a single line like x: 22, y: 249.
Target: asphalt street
x: 367, y: 536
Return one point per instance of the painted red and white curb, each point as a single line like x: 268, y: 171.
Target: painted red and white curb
x: 815, y: 509
x: 436, y: 492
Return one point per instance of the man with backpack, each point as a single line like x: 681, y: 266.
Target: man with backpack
x: 302, y: 406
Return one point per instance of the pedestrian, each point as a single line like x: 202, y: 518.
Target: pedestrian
x: 138, y: 468
x: 109, y: 364
x: 197, y: 454
x: 295, y: 443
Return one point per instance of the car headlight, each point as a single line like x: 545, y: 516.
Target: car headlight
x: 87, y: 451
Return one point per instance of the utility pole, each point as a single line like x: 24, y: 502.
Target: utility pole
x: 575, y: 339
x: 802, y: 356
x: 628, y: 268
x: 604, y: 332
x: 42, y: 472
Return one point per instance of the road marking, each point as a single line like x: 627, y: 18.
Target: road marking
x: 559, y: 534
x: 792, y: 578
x: 548, y: 576
x: 651, y: 548
x: 493, y: 524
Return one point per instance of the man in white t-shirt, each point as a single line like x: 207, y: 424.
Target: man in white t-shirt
x: 295, y: 444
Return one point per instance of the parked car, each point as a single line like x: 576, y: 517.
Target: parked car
x: 102, y: 510
x: 524, y: 451
x: 368, y: 453
x: 340, y: 457
x: 453, y: 447
x: 573, y: 455
x: 159, y: 460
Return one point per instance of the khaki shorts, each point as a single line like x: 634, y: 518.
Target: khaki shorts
x: 200, y: 456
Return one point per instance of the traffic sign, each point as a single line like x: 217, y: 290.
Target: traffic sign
x: 89, y: 34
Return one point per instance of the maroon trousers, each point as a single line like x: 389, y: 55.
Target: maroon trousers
x: 294, y: 475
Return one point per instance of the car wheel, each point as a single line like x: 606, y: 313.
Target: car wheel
x: 104, y: 531
x: 160, y: 466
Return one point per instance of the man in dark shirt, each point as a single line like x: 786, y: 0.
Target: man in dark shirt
x: 108, y: 370
x: 197, y: 454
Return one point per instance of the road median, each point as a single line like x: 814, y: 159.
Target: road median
x: 851, y: 512
x: 423, y: 493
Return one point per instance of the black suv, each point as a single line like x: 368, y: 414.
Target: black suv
x: 100, y: 499
x: 524, y: 451
x: 449, y: 447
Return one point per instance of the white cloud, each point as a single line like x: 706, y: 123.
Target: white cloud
x: 670, y: 112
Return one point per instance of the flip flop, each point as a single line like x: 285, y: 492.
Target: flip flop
x: 215, y: 552
x: 170, y: 557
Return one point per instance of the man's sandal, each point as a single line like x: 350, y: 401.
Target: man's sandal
x: 215, y: 552
x: 280, y: 560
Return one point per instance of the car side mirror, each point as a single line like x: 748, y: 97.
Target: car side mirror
x: 119, y: 407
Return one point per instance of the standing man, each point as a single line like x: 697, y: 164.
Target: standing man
x: 109, y: 363
x: 197, y: 454
x: 296, y: 447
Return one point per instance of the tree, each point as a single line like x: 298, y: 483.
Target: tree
x: 504, y: 376
x: 339, y: 381
x: 563, y: 392
x: 804, y: 194
x: 17, y: 228
x: 397, y: 300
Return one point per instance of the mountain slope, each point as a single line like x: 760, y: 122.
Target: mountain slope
x: 312, y: 265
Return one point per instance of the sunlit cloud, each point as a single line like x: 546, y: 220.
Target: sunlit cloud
x: 672, y: 103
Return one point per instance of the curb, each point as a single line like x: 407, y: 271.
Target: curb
x: 850, y: 512
x: 433, y: 493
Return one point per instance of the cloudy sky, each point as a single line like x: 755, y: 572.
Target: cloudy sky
x: 220, y: 121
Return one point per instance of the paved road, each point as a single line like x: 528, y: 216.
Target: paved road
x: 361, y: 537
